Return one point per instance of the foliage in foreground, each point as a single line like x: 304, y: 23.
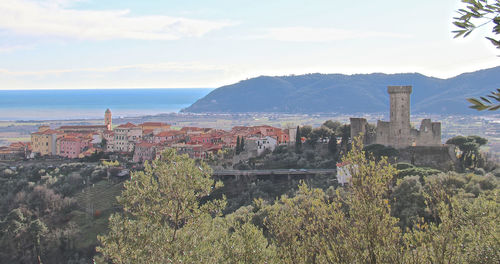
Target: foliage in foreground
x: 165, y: 221
x: 168, y: 218
x: 475, y: 14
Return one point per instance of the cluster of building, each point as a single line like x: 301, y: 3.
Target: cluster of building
x: 146, y: 141
x: 14, y: 151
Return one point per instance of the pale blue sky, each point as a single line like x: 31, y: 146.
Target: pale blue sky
x: 58, y: 44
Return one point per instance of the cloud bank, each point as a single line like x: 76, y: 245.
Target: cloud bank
x: 54, y: 18
x: 152, y: 67
x: 324, y: 34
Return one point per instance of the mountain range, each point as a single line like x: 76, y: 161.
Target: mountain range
x: 339, y: 93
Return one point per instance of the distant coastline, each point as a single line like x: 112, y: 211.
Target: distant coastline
x: 22, y: 105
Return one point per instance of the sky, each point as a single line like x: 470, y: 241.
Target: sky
x: 91, y: 44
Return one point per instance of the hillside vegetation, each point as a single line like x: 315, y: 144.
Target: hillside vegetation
x: 313, y: 93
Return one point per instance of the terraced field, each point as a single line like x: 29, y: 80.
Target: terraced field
x: 100, y: 196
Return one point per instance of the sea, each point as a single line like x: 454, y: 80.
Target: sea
x: 18, y: 105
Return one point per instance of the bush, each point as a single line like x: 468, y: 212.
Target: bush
x: 378, y: 151
x: 7, y: 173
x: 404, y: 165
x: 97, y: 175
x: 417, y: 171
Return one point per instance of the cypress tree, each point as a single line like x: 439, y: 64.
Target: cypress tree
x: 298, y: 140
x: 238, y: 145
x: 242, y: 144
x: 332, y: 144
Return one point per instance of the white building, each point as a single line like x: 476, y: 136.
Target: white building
x: 343, y: 173
x: 125, y: 137
x: 264, y: 143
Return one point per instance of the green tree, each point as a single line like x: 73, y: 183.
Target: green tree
x: 298, y: 140
x: 37, y: 229
x: 345, y: 134
x: 237, y: 150
x: 321, y: 133
x: 305, y: 131
x: 247, y: 244
x: 163, y: 219
x: 469, y: 146
x: 13, y: 230
x: 353, y: 227
x: 408, y: 202
x: 332, y: 144
x: 467, y: 232
x: 242, y: 144
x: 379, y: 150
x: 334, y: 126
x: 374, y: 234
x: 479, y: 13
x: 308, y: 228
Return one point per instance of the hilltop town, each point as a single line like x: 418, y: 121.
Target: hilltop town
x: 141, y: 142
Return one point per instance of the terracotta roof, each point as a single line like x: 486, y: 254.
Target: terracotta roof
x: 127, y: 125
x: 18, y: 145
x: 82, y: 127
x: 341, y: 164
x: 154, y: 124
x: 192, y: 129
x: 48, y: 132
x: 147, y: 131
x: 169, y: 133
x: 72, y: 139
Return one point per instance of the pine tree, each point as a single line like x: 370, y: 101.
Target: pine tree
x: 163, y: 219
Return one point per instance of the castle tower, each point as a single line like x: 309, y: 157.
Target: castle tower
x: 107, y: 119
x: 399, y: 131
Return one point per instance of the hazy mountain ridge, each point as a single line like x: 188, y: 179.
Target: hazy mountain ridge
x: 312, y: 93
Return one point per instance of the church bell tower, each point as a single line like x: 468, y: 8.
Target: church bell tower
x: 107, y: 119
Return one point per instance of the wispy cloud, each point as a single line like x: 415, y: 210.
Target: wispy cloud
x: 55, y: 18
x: 10, y: 48
x: 314, y: 34
x: 154, y: 67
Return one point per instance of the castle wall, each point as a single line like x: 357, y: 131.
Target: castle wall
x: 398, y: 132
x: 358, y: 126
x: 429, y: 133
x: 436, y: 133
x: 437, y: 157
x: 383, y: 133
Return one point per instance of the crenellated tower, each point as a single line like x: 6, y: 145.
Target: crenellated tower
x: 400, y: 128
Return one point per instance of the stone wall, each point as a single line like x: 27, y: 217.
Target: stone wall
x: 437, y: 157
x: 429, y: 133
x: 383, y: 133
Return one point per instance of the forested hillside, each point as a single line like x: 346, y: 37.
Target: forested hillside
x: 312, y: 93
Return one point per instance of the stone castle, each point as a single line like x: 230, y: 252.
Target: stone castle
x: 398, y: 132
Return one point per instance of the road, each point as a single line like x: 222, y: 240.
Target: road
x: 273, y: 172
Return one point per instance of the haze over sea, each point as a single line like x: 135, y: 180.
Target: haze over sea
x: 89, y: 104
